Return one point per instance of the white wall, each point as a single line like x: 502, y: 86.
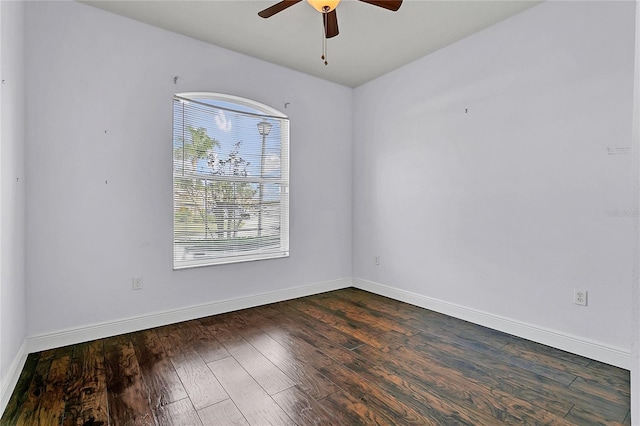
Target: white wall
x: 483, y: 173
x: 635, y: 299
x: 12, y: 204
x: 99, y: 194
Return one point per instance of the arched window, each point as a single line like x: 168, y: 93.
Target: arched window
x: 230, y: 180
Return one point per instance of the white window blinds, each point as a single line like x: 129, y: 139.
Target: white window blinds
x: 230, y: 181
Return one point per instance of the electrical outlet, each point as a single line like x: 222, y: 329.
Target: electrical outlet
x: 376, y: 260
x: 136, y: 283
x: 580, y: 297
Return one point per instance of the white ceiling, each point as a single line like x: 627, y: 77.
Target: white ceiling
x: 372, y: 40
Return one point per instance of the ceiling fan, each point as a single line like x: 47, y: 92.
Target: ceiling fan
x: 328, y: 10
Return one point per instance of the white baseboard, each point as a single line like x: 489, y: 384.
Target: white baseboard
x: 566, y: 342
x: 12, y: 376
x: 90, y: 332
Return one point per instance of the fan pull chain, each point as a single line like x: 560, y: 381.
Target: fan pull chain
x: 325, y: 17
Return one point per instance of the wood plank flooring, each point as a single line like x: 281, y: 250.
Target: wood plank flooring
x: 346, y: 357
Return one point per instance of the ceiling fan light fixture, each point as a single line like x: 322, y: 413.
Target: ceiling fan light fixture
x: 324, y: 6
x: 329, y: 15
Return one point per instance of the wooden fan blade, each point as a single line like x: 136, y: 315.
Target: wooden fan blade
x: 330, y: 24
x: 386, y: 4
x: 278, y: 7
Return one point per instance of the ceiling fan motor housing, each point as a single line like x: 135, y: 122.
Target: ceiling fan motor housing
x: 324, y: 6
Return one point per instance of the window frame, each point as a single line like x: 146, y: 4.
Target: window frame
x: 267, y: 112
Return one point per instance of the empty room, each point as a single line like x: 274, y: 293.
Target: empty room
x: 319, y: 212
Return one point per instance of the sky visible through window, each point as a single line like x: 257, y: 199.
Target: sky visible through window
x: 228, y: 128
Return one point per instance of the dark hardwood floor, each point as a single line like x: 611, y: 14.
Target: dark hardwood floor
x: 346, y: 357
